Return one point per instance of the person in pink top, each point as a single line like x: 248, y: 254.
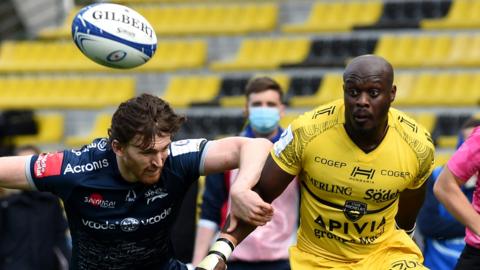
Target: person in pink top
x: 267, y: 247
x: 464, y: 164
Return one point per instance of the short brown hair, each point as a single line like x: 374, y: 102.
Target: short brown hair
x: 261, y: 84
x: 145, y: 115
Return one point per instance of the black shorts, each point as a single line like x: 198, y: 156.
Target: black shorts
x: 469, y: 259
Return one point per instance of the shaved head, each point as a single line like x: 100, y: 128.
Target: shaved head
x: 370, y: 64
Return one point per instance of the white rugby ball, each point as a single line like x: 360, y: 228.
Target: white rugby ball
x: 114, y: 35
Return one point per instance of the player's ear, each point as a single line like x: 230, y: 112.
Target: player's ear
x: 393, y: 93
x: 117, y: 148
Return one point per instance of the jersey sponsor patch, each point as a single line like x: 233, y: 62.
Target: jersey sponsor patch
x: 285, y: 139
x: 186, y: 146
x: 48, y: 164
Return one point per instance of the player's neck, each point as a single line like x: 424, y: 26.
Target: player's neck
x: 367, y: 141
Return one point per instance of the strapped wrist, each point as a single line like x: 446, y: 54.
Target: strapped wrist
x: 222, y: 248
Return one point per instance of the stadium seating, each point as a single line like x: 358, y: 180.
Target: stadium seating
x: 65, y: 93
x: 182, y: 92
x: 63, y: 56
x: 204, y: 19
x: 50, y: 130
x: 266, y: 53
x: 98, y: 130
x: 462, y: 14
x: 336, y: 16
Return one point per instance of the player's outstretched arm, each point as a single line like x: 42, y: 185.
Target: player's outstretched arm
x: 448, y: 192
x: 411, y: 200
x: 273, y: 181
x: 12, y: 172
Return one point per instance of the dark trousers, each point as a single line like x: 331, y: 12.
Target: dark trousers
x: 261, y: 265
x: 469, y: 259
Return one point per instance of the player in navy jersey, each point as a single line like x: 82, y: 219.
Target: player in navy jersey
x: 122, y: 193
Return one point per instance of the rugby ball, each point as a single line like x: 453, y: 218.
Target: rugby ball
x: 114, y: 35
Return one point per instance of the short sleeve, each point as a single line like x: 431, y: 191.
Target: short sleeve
x: 465, y: 162
x: 287, y: 151
x: 44, y: 172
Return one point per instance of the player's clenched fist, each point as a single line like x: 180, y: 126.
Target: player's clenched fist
x: 217, y: 256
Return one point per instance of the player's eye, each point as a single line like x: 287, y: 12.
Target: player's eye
x: 374, y: 92
x: 352, y: 92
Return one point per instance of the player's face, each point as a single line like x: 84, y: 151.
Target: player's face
x: 145, y: 165
x: 269, y: 98
x: 367, y: 96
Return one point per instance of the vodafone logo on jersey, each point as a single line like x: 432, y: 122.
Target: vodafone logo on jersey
x: 96, y: 199
x: 48, y: 164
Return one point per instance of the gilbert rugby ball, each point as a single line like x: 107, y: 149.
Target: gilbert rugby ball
x: 114, y: 35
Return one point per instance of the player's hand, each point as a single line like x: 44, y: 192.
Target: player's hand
x: 249, y: 207
x: 212, y: 262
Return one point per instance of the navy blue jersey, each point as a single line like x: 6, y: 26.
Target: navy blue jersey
x: 116, y: 224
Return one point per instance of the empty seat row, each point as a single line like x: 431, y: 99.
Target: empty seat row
x: 403, y: 51
x: 211, y: 19
x: 38, y: 93
x: 60, y: 56
x: 452, y: 50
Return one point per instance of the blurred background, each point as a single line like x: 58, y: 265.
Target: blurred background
x: 52, y: 96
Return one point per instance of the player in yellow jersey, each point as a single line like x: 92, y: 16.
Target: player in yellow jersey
x: 362, y: 167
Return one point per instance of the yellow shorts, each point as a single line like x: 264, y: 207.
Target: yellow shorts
x: 400, y: 253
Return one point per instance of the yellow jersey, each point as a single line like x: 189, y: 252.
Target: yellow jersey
x: 349, y: 197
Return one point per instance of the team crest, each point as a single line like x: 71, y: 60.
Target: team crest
x: 354, y: 210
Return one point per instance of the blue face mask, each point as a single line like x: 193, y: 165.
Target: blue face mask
x: 264, y: 119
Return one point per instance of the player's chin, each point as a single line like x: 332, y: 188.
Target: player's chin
x: 150, y: 179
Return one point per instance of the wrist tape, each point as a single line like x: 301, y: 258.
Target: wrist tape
x: 222, y: 248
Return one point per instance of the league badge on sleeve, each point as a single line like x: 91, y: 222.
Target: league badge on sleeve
x: 48, y: 164
x: 285, y: 139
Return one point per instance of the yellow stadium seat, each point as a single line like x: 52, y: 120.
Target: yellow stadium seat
x: 50, y: 131
x: 60, y: 56
x: 404, y: 83
x: 265, y: 54
x: 330, y: 89
x: 337, y: 17
x: 99, y: 130
x: 462, y: 14
x: 50, y: 92
x: 182, y: 92
x: 211, y: 18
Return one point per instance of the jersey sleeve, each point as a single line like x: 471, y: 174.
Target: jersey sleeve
x: 420, y: 142
x: 45, y: 172
x: 188, y: 158
x: 465, y: 162
x: 287, y: 151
